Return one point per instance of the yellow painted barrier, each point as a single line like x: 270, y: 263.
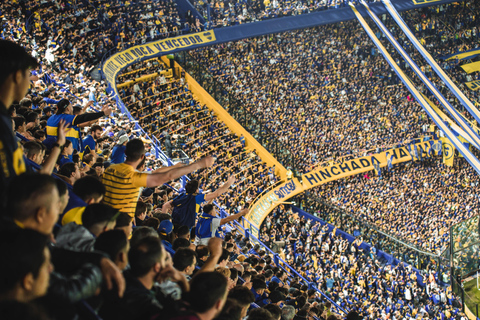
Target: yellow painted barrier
x: 250, y: 142
x: 166, y: 73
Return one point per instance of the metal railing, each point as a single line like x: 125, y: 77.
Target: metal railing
x: 395, y: 246
x: 256, y: 127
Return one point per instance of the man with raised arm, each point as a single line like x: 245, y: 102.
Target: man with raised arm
x: 209, y: 223
x: 122, y: 182
x: 186, y: 206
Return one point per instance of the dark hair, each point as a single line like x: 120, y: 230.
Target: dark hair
x: 144, y: 255
x: 134, y: 150
x: 260, y: 314
x: 67, y: 169
x: 205, y: 290
x: 182, y: 231
x: 268, y: 273
x: 98, y: 213
x: 225, y: 255
x: 111, y: 242
x: 25, y: 102
x: 19, y: 121
x: 31, y: 149
x: 23, y: 250
x: 31, y: 116
x: 39, y: 134
x: 88, y: 187
x: 62, y: 105
x: 87, y: 158
x: 258, y: 284
x: 208, y: 208
x: 152, y: 223
x: 95, y: 128
x: 162, y: 216
x: 123, y: 220
x: 191, y: 186
x: 61, y: 187
x: 233, y: 274
x: 13, y: 58
x: 141, y: 208
x: 183, y: 258
x: 202, y: 251
x: 230, y: 311
x: 274, y: 310
x: 23, y: 193
x: 242, y: 295
x: 180, y: 243
x: 272, y: 285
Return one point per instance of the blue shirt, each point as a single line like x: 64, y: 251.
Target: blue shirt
x: 65, y: 159
x: 73, y: 134
x: 88, y: 144
x: 118, y: 154
x: 185, y: 209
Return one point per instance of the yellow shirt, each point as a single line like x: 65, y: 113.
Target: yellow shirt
x: 122, y: 183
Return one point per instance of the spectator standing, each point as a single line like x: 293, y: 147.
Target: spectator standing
x: 118, y: 151
x: 15, y: 65
x: 89, y: 142
x: 65, y: 112
x: 209, y: 222
x: 187, y: 205
x: 123, y: 182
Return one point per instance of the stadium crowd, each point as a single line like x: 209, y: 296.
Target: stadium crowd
x: 355, y: 277
x: 61, y: 194
x: 71, y: 194
x: 166, y: 108
x: 317, y: 102
x: 224, y: 13
x: 306, y: 97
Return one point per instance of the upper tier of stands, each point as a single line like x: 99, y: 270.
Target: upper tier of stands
x: 166, y: 109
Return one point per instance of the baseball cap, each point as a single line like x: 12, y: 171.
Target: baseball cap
x: 123, y: 139
x: 165, y: 227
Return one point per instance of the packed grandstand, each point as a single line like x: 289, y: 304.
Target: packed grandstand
x: 175, y: 187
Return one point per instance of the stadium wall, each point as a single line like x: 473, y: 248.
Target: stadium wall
x: 250, y: 142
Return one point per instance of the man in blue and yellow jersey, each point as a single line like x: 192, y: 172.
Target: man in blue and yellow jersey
x: 15, y: 66
x: 65, y: 112
x: 123, y: 182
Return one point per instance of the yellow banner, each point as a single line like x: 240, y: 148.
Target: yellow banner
x: 473, y: 85
x: 122, y: 59
x: 417, y: 2
x: 463, y: 55
x: 448, y: 152
x: 263, y: 206
x: 360, y: 165
x: 471, y: 67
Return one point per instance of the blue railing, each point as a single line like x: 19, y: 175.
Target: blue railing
x: 281, y: 263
